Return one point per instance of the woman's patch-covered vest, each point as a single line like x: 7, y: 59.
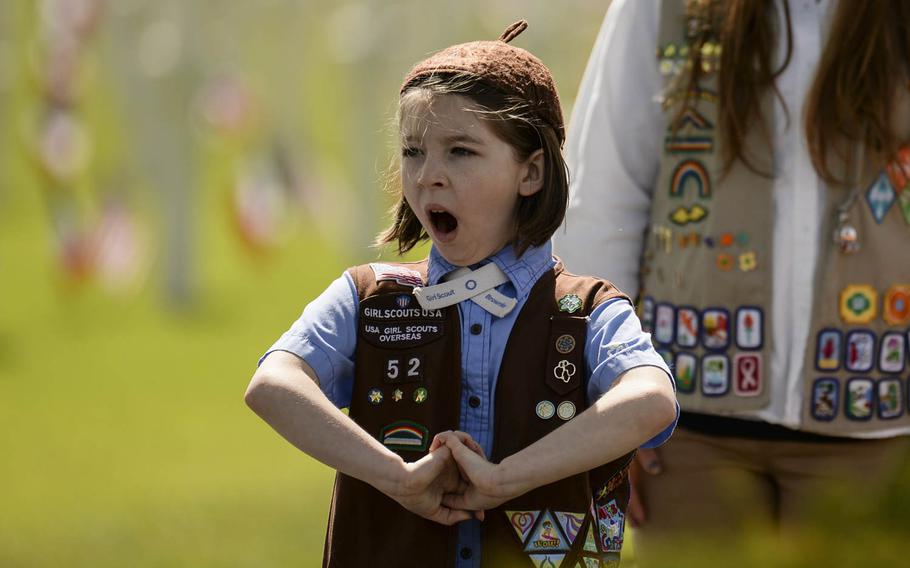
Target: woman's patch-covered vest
x: 707, y: 272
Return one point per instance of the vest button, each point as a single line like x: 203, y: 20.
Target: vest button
x: 474, y: 402
x: 476, y: 329
x: 466, y: 553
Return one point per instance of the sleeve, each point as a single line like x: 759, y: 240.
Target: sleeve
x: 613, y: 146
x: 325, y: 336
x: 616, y: 344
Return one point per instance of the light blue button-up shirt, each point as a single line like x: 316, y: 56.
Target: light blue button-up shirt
x: 325, y: 336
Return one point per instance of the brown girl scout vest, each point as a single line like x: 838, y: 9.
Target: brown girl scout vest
x: 706, y: 273
x: 407, y: 388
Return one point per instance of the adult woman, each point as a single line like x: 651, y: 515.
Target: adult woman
x: 750, y: 183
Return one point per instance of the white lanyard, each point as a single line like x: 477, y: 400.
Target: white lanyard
x: 466, y: 284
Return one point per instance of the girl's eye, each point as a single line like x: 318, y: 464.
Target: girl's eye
x: 462, y: 151
x: 409, y: 152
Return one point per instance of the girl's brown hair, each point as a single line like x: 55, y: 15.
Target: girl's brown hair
x: 512, y: 120
x: 862, y: 66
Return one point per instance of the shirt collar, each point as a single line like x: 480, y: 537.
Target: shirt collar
x: 523, y: 272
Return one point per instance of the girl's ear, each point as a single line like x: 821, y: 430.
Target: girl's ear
x: 532, y: 174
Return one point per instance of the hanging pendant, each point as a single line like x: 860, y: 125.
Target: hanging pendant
x: 846, y: 236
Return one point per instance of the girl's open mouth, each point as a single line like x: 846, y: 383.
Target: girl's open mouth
x: 444, y: 223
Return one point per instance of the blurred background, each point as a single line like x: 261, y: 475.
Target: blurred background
x: 177, y: 179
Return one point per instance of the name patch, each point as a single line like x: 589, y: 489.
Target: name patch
x: 389, y: 321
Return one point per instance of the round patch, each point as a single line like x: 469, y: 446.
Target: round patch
x: 470, y: 284
x: 545, y: 409
x: 565, y: 343
x: 420, y: 395
x: 375, y: 396
x: 566, y: 410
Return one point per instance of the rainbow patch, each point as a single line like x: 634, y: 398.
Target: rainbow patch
x: 405, y: 435
x: 690, y: 172
x: 693, y: 118
x: 690, y: 144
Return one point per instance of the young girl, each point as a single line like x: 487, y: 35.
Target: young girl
x: 487, y: 348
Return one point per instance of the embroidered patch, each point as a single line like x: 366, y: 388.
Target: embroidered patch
x: 547, y: 560
x: 684, y: 215
x: 403, y: 301
x: 724, y: 262
x: 824, y: 399
x: 747, y: 372
x: 570, y: 523
x: 859, y: 398
x: 715, y: 375
x: 691, y: 117
x: 610, y: 521
x: 647, y: 315
x: 860, y: 351
x: 898, y: 170
x: 726, y: 240
x: 889, y: 399
x: 749, y: 332
x: 522, y: 522
x: 686, y: 327
x: 904, y: 204
x: 400, y: 274
x: 857, y: 303
x: 715, y: 328
x: 896, y: 309
x: 564, y: 370
x: 397, y: 395
x: 405, y: 435
x: 384, y: 323
x: 664, y: 323
x: 748, y: 261
x: 589, y: 563
x: 547, y: 536
x: 828, y: 350
x: 565, y: 344
x: 590, y: 543
x: 689, y: 240
x: 686, y: 372
x: 891, y: 359
x: 374, y: 396
x: 420, y: 395
x: 402, y: 369
x: 880, y: 196
x: 690, y: 172
x: 688, y: 144
x: 565, y: 410
x: 545, y: 410
x: 570, y: 303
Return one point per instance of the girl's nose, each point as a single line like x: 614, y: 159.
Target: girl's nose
x: 432, y: 174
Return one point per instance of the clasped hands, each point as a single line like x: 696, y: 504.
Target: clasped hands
x: 454, y: 482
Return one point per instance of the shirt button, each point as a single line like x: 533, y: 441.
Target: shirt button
x: 474, y: 402
x: 466, y: 553
x: 476, y: 329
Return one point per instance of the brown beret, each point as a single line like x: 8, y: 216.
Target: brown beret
x: 512, y: 70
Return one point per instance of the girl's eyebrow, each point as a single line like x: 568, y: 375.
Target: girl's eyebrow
x: 453, y: 139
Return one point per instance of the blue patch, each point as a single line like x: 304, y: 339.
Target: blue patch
x: 715, y: 374
x: 890, y: 400
x: 828, y: 350
x: 687, y: 320
x: 859, y: 351
x: 685, y: 372
x: 859, y: 399
x: 749, y: 330
x: 715, y: 329
x: 825, y: 394
x: 664, y: 323
x: 880, y: 196
x: 403, y: 301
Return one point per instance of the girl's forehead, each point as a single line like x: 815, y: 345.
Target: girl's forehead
x: 422, y: 112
